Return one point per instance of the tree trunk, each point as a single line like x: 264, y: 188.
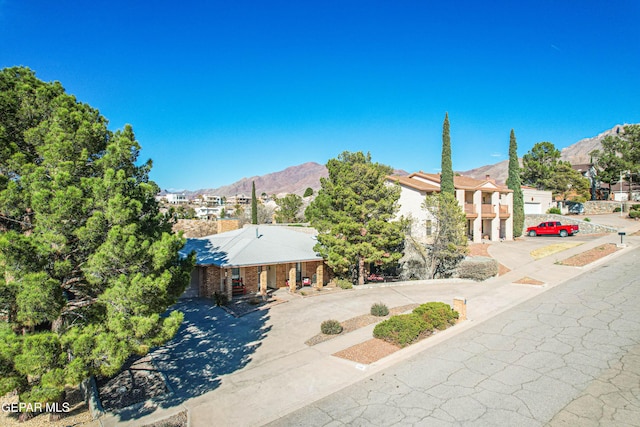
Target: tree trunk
x: 56, y: 325
x: 25, y: 416
x: 58, y: 414
x: 361, y: 271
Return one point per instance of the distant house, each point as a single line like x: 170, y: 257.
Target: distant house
x: 488, y: 207
x: 536, y: 201
x: 177, y: 198
x: 255, y: 258
x: 203, y: 212
x: 238, y: 199
x: 211, y: 200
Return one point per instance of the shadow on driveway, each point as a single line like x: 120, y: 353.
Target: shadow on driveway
x: 210, y: 343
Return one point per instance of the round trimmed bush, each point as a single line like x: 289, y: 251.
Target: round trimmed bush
x: 344, y: 284
x: 556, y: 211
x: 331, y: 327
x: 402, y: 330
x: 634, y: 214
x: 439, y: 314
x: 379, y: 309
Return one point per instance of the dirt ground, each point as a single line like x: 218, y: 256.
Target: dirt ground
x: 482, y: 249
x: 78, y: 414
x: 587, y: 257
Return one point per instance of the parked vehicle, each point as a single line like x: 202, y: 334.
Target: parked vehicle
x: 553, y: 228
x: 576, y: 208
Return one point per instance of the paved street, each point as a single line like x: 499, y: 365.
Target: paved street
x: 567, y: 357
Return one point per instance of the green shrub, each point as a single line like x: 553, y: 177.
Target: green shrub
x: 634, y: 214
x: 587, y: 219
x: 402, y: 330
x: 477, y: 268
x: 331, y: 327
x: 617, y: 209
x: 344, y: 284
x: 439, y: 314
x: 556, y: 211
x: 379, y: 309
x: 635, y: 207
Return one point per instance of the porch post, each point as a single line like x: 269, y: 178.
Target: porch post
x: 229, y: 284
x: 319, y: 276
x: 263, y: 281
x: 292, y: 278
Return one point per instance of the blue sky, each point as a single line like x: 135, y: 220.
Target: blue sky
x: 220, y: 90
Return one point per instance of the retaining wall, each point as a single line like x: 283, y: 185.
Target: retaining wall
x: 585, y: 227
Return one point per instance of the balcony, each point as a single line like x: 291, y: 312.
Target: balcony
x: 470, y: 210
x: 488, y: 211
x: 504, y: 211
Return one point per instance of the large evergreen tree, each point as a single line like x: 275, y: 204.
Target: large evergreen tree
x: 514, y: 183
x: 288, y: 208
x: 446, y: 171
x: 619, y: 153
x: 254, y: 204
x: 543, y: 169
x: 354, y: 214
x: 87, y: 262
x: 539, y: 165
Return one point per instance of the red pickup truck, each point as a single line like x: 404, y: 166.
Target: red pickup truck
x: 553, y: 228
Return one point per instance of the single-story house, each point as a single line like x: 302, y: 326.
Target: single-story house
x: 253, y: 259
x: 536, y: 201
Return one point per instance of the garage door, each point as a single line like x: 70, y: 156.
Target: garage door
x: 532, y: 208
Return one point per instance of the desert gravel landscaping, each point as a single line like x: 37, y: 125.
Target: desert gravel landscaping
x: 587, y: 257
x: 358, y: 322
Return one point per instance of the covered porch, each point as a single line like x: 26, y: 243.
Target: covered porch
x: 236, y: 281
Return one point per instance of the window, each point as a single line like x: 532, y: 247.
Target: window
x: 429, y: 227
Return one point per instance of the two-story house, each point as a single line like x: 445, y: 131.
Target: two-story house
x: 487, y: 206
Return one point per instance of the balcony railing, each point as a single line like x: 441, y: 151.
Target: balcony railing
x: 487, y: 208
x: 469, y: 208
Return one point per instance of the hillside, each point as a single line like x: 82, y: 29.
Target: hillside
x: 294, y: 179
x: 576, y: 154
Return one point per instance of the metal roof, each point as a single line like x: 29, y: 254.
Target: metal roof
x: 253, y: 245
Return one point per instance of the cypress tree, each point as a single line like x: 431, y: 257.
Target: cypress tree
x: 254, y: 204
x: 446, y: 174
x: 514, y: 183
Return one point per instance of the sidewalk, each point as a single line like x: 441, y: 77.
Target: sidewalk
x: 284, y: 374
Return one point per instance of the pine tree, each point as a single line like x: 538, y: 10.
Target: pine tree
x: 354, y: 214
x: 88, y: 263
x: 514, y: 183
x: 446, y: 171
x: 254, y: 204
x: 288, y: 208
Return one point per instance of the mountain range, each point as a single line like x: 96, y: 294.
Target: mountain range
x: 296, y: 179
